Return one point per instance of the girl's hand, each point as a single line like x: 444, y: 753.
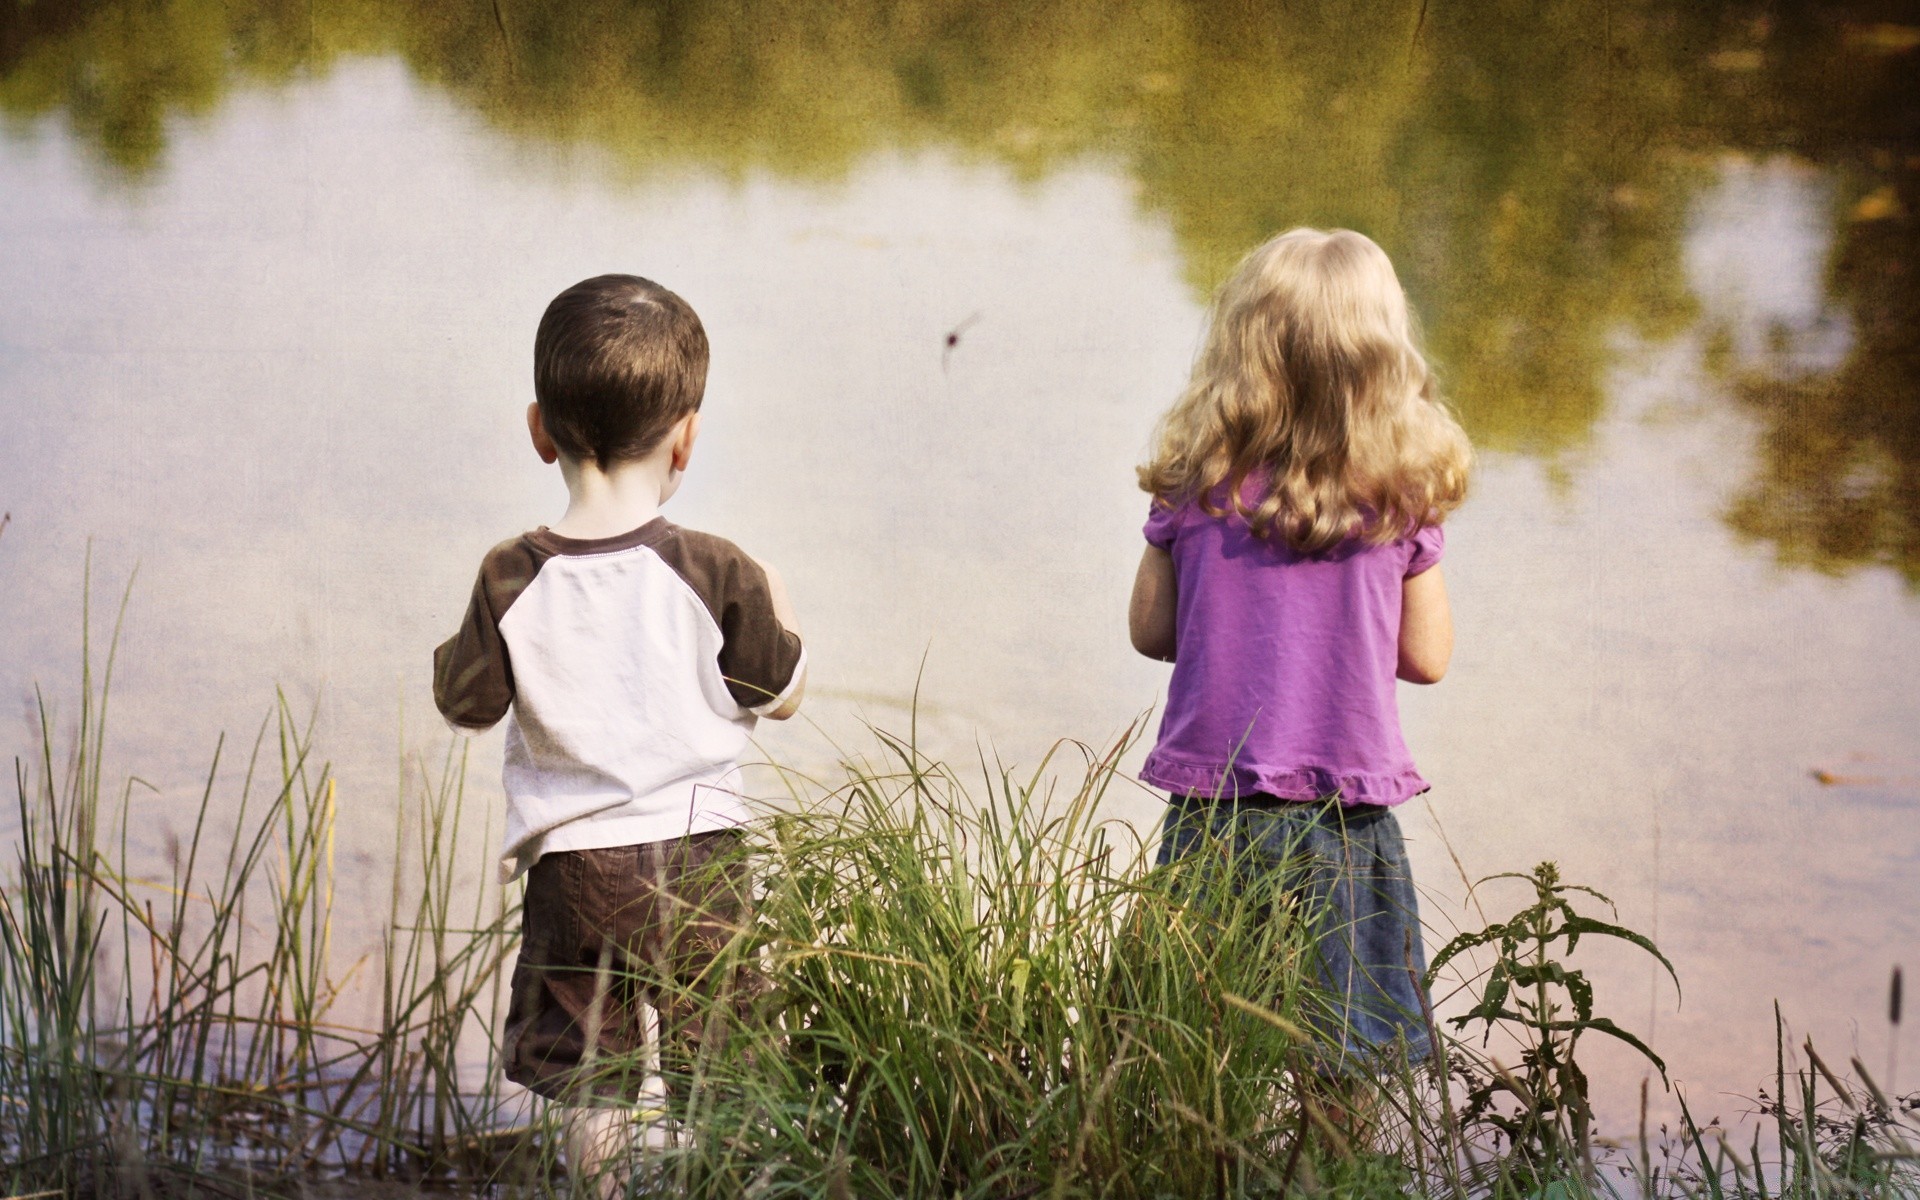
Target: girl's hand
x: 1150, y: 615
x: 1426, y: 628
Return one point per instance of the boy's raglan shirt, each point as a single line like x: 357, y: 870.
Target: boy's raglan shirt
x: 632, y: 670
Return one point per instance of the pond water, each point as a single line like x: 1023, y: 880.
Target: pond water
x: 267, y: 291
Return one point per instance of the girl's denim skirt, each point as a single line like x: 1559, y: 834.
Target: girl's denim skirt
x: 1345, y: 868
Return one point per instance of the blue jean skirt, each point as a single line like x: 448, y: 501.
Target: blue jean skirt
x: 1347, y: 868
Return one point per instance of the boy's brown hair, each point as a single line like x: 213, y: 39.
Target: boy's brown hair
x: 617, y: 360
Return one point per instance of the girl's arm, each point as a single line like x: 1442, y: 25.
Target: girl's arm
x: 1426, y: 627
x: 1150, y: 615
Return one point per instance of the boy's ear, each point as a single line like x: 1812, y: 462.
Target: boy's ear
x: 537, y: 430
x: 683, y: 439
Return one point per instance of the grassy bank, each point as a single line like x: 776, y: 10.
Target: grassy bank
x: 175, y: 1029
x: 977, y: 989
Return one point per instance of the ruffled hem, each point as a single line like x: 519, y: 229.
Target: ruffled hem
x: 1298, y: 783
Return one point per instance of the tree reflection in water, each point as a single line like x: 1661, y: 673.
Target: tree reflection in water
x: 1837, y: 481
x: 1530, y: 165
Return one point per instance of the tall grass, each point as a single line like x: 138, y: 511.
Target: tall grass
x: 984, y: 995
x: 967, y: 984
x: 984, y: 991
x: 180, y: 1032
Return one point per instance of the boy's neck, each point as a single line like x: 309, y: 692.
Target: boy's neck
x: 607, y: 503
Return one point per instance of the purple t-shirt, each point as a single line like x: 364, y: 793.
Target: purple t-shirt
x: 1283, y: 680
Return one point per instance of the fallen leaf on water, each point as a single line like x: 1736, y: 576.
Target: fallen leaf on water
x: 1902, y: 784
x: 1884, y: 38
x: 1737, y: 60
x: 1828, y: 778
x: 1877, y: 205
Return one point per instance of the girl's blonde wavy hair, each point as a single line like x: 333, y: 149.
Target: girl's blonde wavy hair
x: 1311, y: 384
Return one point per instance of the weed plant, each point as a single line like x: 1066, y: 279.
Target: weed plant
x: 1541, y: 1114
x: 959, y: 990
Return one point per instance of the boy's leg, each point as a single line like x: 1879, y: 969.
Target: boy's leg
x: 573, y: 1027
x: 599, y: 1141
x: 604, y: 932
x: 577, y: 1030
x: 708, y: 892
x: 650, y: 1113
x: 605, y: 1142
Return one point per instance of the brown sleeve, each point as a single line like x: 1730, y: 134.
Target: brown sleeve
x: 758, y: 655
x: 472, y: 676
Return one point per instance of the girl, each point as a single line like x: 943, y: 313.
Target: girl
x: 1290, y: 576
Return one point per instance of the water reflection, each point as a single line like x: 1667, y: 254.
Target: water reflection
x: 277, y: 340
x: 1837, y: 481
x: 1531, y: 166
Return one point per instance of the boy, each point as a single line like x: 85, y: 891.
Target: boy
x: 631, y: 658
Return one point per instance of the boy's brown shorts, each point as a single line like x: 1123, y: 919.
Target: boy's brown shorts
x: 604, y: 931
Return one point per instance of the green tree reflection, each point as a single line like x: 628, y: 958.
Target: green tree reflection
x: 1530, y: 165
x: 1836, y: 482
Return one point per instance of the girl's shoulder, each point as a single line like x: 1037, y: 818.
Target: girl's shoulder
x: 1164, y: 519
x: 1167, y: 515
x: 1425, y: 544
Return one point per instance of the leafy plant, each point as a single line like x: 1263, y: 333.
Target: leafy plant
x: 1541, y: 1109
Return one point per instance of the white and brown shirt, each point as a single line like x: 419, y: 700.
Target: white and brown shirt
x: 631, y: 669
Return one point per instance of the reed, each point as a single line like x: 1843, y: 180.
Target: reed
x: 955, y: 984
x: 180, y: 1034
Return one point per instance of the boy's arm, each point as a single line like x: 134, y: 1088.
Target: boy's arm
x: 472, y: 679
x: 761, y: 658
x: 761, y: 662
x: 783, y: 612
